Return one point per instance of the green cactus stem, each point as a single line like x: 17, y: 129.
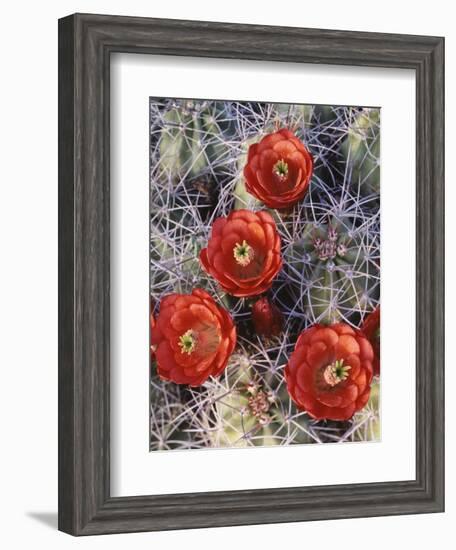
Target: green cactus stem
x: 193, y: 139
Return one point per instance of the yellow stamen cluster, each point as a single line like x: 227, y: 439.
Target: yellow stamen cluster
x: 243, y: 253
x: 336, y: 372
x: 187, y: 342
x: 281, y: 169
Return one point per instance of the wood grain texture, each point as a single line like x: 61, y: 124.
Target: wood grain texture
x: 85, y: 45
x: 66, y: 274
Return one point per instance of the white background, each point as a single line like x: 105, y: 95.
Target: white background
x: 28, y: 300
x: 133, y: 78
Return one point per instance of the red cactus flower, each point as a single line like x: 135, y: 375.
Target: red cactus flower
x: 278, y: 169
x: 330, y: 371
x: 371, y: 329
x: 152, y: 327
x: 243, y: 252
x: 267, y: 318
x: 194, y: 338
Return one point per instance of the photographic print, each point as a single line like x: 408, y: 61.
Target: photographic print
x: 264, y: 274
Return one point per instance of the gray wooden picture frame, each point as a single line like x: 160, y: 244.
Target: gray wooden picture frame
x: 85, y: 45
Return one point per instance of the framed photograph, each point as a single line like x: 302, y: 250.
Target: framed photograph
x: 237, y: 205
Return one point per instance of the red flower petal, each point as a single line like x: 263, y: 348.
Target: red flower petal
x: 371, y: 329
x: 217, y: 226
x: 330, y: 399
x: 347, y: 345
x: 182, y: 320
x: 319, y: 354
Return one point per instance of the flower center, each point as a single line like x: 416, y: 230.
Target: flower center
x: 243, y: 253
x: 187, y: 342
x: 336, y: 372
x: 280, y: 169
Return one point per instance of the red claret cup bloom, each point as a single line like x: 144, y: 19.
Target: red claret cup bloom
x: 330, y: 371
x: 267, y: 318
x: 371, y: 329
x: 243, y: 253
x: 193, y: 338
x: 152, y: 327
x: 278, y: 169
